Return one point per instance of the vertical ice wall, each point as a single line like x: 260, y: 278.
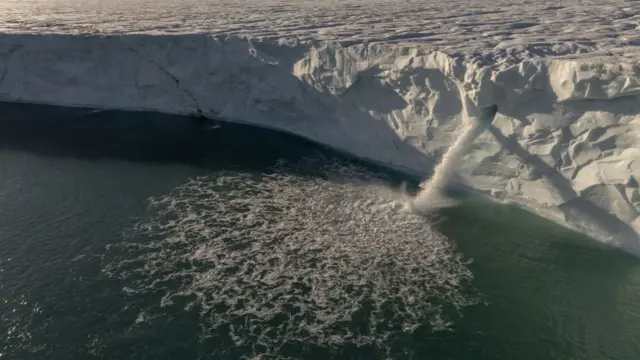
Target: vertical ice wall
x: 565, y: 143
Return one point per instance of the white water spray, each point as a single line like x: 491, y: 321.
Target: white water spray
x: 431, y: 196
x: 282, y: 258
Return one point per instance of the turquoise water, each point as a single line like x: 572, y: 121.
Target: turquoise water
x: 141, y: 236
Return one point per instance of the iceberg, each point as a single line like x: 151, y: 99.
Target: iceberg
x: 565, y: 143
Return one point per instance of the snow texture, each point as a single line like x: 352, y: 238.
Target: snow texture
x: 382, y: 80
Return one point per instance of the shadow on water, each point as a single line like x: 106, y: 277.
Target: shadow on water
x: 84, y: 133
x: 140, y: 136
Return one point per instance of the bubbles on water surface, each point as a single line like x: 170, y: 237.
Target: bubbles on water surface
x: 280, y: 258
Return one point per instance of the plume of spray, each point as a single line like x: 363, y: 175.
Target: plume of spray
x: 432, y: 194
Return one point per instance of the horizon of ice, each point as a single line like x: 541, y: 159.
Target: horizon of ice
x: 564, y: 76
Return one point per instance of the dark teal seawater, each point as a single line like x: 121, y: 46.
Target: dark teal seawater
x: 79, y: 280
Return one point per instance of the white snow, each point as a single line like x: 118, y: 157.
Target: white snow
x: 383, y: 80
x: 497, y: 29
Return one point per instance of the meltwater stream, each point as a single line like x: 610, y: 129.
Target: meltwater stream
x: 431, y: 196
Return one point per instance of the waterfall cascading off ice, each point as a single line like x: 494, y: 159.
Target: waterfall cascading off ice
x: 431, y: 196
x: 566, y: 145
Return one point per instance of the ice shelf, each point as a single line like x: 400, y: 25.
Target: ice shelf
x: 565, y: 143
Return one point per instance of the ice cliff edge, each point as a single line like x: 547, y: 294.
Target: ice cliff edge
x: 565, y: 144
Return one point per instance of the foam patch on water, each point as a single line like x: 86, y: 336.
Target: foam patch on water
x: 279, y: 258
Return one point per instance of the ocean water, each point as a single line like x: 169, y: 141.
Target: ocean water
x: 147, y: 236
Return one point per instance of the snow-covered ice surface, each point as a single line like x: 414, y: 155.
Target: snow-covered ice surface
x: 383, y: 80
x: 496, y: 29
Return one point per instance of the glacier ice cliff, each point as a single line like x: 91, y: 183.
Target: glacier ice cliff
x: 565, y: 144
